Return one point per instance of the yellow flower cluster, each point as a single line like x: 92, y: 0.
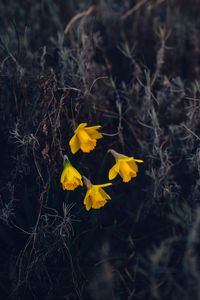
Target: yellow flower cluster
x: 85, y: 138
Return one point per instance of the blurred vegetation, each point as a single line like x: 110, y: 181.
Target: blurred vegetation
x: 134, y: 68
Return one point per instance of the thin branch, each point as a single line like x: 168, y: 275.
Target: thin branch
x: 133, y: 9
x: 194, y: 134
x: 80, y: 15
x: 102, y: 77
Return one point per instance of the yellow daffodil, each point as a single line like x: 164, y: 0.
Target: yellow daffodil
x: 95, y: 196
x: 85, y: 138
x: 70, y: 177
x: 125, y: 166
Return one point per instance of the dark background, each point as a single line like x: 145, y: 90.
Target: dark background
x: 132, y: 67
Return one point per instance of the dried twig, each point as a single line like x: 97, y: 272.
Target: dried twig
x: 133, y: 9
x: 80, y: 15
x: 194, y: 134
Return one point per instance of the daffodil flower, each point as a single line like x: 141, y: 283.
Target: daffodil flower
x: 125, y: 166
x: 95, y: 196
x: 70, y: 177
x: 85, y: 138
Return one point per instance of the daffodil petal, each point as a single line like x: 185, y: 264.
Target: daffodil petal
x: 62, y: 178
x: 80, y: 126
x: 87, y: 201
x: 74, y: 144
x: 92, y: 131
x: 97, y: 196
x: 138, y: 160
x: 103, y: 185
x: 94, y: 127
x: 94, y: 134
x: 83, y: 136
x: 124, y: 159
x: 133, y: 165
x: 104, y: 194
x: 113, y: 171
x: 75, y: 173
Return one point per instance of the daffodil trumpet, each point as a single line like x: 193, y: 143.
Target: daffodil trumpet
x: 125, y: 166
